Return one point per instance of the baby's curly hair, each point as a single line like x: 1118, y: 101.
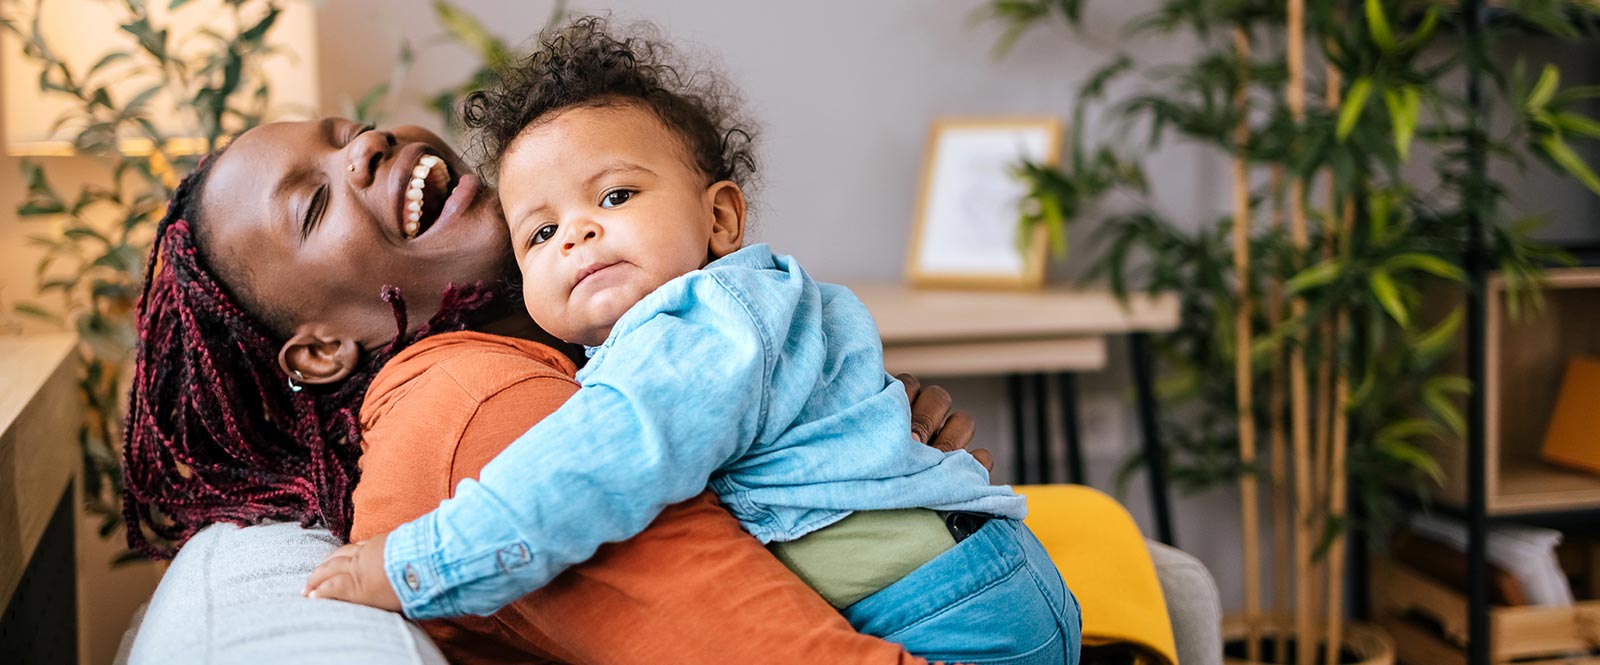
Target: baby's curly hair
x: 583, y: 64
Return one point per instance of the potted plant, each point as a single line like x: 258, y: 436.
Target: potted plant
x: 1304, y: 336
x: 95, y: 239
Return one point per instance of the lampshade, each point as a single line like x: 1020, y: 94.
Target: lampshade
x: 80, y: 32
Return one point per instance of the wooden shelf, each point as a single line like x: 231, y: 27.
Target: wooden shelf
x: 1526, y: 357
x: 917, y: 315
x: 1531, y: 487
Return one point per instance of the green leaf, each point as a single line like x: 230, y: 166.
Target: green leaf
x: 106, y: 60
x: 1580, y: 125
x: 1405, y: 106
x: 40, y: 208
x: 35, y: 311
x: 1450, y: 384
x: 1424, y: 32
x: 1438, y: 338
x: 1354, y: 104
x: 1562, y: 154
x: 1378, y: 26
x: 121, y: 257
x: 1428, y: 263
x: 1549, y: 80
x: 1055, y: 223
x: 257, y: 32
x: 1414, y: 457
x: 1389, y: 296
x: 82, y: 232
x: 1445, y: 410
x: 1314, y: 277
x: 1408, y: 429
x: 152, y: 41
x: 364, y: 108
x: 111, y: 290
x: 136, y: 104
x: 64, y: 285
x: 1576, y: 93
x: 470, y: 32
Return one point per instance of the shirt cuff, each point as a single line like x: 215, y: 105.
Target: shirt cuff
x: 410, y: 564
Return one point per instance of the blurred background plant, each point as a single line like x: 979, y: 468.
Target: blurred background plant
x: 95, y: 235
x: 1384, y: 239
x: 460, y: 29
x: 1401, y: 100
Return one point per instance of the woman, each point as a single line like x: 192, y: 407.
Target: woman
x: 262, y: 327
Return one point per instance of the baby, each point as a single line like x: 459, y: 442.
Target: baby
x: 709, y: 363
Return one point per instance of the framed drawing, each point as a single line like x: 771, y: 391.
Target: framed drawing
x: 965, y: 230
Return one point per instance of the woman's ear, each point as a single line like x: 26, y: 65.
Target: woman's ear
x: 727, y: 218
x: 315, y: 358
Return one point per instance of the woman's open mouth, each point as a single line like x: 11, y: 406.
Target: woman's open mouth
x: 425, y: 194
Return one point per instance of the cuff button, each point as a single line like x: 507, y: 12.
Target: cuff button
x: 512, y: 557
x: 412, y: 579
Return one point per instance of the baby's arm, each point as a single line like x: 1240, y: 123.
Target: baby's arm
x: 692, y: 585
x: 676, y: 398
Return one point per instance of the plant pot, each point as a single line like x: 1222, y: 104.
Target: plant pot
x: 1364, y: 643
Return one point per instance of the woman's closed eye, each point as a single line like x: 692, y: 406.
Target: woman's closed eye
x: 616, y: 197
x: 352, y: 130
x: 315, y: 207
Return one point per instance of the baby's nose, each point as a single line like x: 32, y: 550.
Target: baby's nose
x: 590, y: 235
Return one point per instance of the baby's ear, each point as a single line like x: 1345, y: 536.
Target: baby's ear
x: 727, y: 206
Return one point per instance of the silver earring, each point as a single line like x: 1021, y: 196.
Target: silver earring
x: 296, y: 387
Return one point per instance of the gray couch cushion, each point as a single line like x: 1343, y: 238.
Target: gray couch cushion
x: 232, y: 595
x: 1193, y: 604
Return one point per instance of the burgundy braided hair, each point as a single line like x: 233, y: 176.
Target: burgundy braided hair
x: 213, y: 431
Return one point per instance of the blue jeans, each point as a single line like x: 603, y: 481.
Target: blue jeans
x: 993, y: 599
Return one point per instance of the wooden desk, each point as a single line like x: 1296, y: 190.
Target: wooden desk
x: 40, y: 462
x: 962, y: 333
x: 1028, y: 336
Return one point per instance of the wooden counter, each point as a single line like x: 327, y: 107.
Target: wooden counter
x: 40, y: 459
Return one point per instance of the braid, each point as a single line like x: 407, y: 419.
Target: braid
x: 213, y: 432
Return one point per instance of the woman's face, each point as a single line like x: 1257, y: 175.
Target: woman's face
x: 315, y: 217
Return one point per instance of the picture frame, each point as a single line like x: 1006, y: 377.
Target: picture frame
x: 964, y: 232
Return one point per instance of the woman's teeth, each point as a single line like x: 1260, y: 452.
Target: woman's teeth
x: 429, y: 168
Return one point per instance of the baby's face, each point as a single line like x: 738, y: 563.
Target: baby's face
x: 603, y: 207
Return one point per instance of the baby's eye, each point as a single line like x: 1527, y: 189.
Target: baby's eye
x: 615, y: 198
x: 543, y: 234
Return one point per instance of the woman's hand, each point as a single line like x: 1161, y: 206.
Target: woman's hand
x: 933, y: 423
x: 354, y: 573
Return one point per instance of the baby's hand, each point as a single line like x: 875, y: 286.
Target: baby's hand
x: 354, y: 573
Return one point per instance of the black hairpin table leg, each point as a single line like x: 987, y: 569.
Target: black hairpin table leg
x: 1154, y: 458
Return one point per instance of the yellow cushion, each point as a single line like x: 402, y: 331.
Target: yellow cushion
x: 1098, y: 548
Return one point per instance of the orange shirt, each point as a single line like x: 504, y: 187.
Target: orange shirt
x: 692, y: 588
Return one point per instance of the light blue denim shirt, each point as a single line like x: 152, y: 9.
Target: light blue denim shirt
x: 746, y: 375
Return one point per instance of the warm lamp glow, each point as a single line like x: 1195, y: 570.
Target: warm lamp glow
x: 81, y: 31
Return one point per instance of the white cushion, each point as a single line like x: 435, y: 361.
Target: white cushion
x: 232, y: 595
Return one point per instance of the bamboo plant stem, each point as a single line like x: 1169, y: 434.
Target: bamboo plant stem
x: 1336, y: 487
x: 1277, y: 445
x: 1242, y: 340
x: 1324, y: 576
x: 1299, y: 400
x: 1344, y: 207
